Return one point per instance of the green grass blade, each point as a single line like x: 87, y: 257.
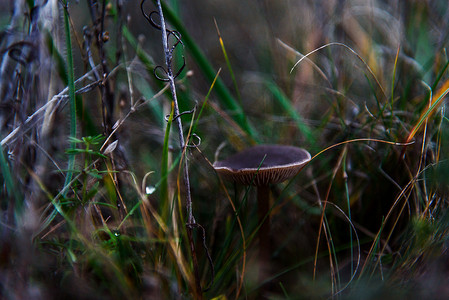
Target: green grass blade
x: 393, y: 81
x: 30, y: 3
x: 164, y: 164
x: 141, y: 54
x: 288, y: 107
x: 222, y: 91
x: 205, y: 101
x: 438, y: 79
x: 348, y: 203
x: 140, y: 82
x: 82, y: 113
x: 9, y: 183
x: 435, y: 103
x: 72, y: 100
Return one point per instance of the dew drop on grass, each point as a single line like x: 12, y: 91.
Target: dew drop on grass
x: 150, y: 190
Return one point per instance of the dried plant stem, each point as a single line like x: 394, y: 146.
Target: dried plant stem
x: 107, y: 98
x: 190, y: 218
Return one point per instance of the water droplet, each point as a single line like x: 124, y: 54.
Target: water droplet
x: 150, y: 190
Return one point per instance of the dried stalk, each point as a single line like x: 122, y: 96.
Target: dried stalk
x: 171, y: 80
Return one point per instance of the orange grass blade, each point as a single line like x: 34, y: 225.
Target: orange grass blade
x: 228, y: 62
x: 435, y: 102
x: 326, y: 201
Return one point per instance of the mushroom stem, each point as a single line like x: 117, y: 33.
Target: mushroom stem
x: 261, y: 166
x: 263, y: 207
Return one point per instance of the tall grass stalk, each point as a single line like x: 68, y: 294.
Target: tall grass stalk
x: 72, y: 100
x: 228, y: 64
x: 188, y: 198
x: 348, y: 203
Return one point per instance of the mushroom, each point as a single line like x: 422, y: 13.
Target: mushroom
x: 261, y: 166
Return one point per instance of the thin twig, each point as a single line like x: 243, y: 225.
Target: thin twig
x: 171, y: 79
x: 60, y: 100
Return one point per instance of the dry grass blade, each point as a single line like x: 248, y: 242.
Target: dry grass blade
x: 435, y: 101
x: 350, y: 50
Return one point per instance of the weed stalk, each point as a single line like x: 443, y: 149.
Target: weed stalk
x: 170, y: 78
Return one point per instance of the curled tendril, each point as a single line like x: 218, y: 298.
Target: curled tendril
x: 188, y: 112
x: 170, y: 33
x: 149, y: 16
x: 164, y: 79
x: 195, y: 145
x: 177, y: 37
x: 152, y: 21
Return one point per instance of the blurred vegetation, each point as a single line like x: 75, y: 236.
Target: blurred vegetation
x: 92, y: 194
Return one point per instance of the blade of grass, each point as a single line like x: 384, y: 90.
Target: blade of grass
x: 174, y: 249
x: 393, y: 81
x: 222, y: 91
x: 228, y: 63
x: 149, y: 64
x: 72, y: 100
x: 9, y: 184
x: 405, y: 194
x: 142, y: 85
x: 326, y: 253
x: 164, y: 164
x: 205, y: 101
x: 324, y: 226
x: 288, y: 107
x: 370, y: 71
x: 30, y: 3
x: 83, y: 114
x: 144, y: 57
x: 348, y: 203
x: 436, y: 101
x: 220, y: 264
x: 442, y: 72
x: 228, y: 238
x: 197, y: 292
x: 54, y: 201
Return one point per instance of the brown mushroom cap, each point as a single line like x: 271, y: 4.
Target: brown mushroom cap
x: 263, y: 164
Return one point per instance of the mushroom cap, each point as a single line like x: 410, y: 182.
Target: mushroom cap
x: 263, y: 164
